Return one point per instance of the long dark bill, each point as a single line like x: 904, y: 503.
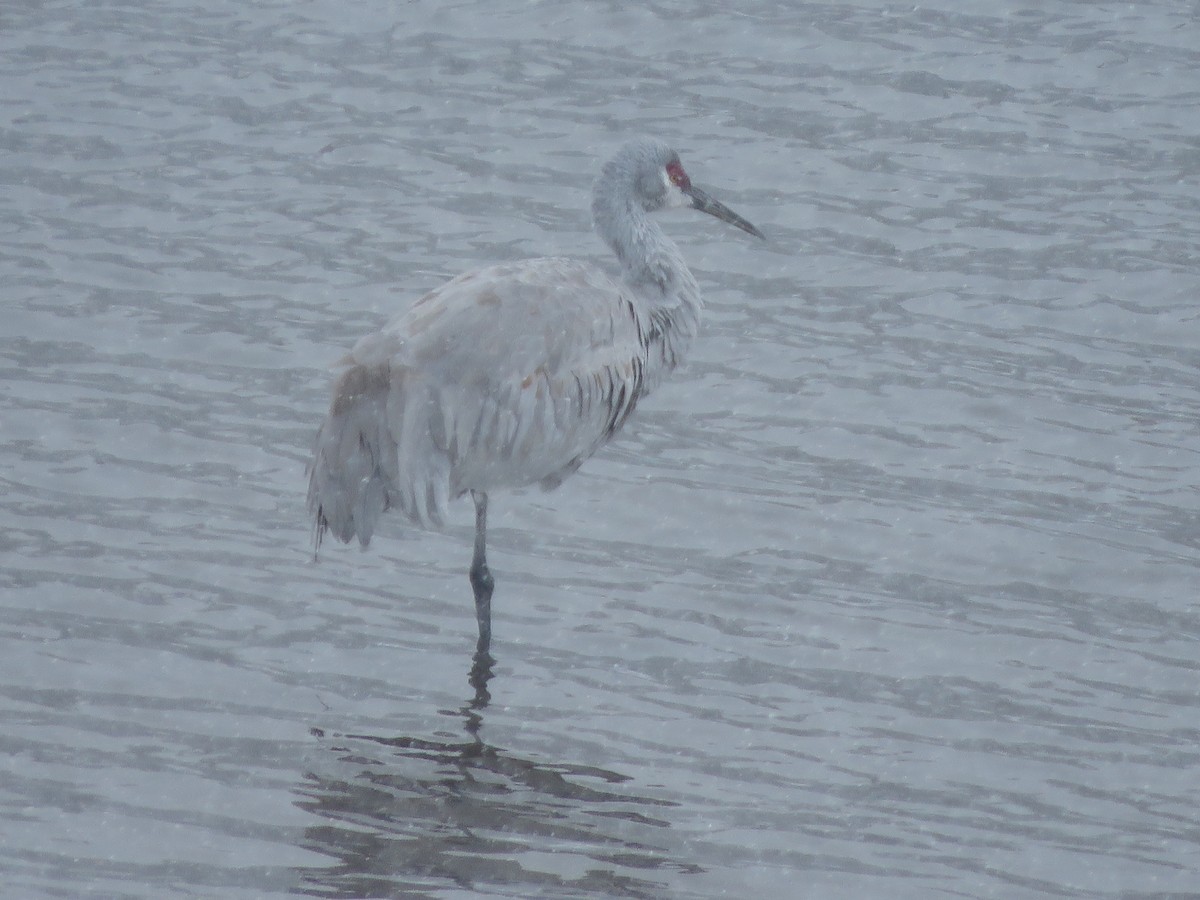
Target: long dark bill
x: 705, y: 203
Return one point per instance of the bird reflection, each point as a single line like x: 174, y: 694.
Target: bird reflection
x: 478, y: 678
x: 404, y: 815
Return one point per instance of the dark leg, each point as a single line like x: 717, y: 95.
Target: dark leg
x: 481, y: 578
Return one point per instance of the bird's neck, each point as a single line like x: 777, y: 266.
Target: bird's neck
x: 654, y: 269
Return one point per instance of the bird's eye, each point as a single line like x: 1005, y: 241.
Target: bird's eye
x: 678, y: 177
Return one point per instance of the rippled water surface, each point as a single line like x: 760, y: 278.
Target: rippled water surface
x: 891, y: 592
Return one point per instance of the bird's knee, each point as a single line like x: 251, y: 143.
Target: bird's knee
x: 482, y: 583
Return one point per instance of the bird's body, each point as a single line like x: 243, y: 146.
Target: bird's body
x: 561, y: 368
x: 511, y: 375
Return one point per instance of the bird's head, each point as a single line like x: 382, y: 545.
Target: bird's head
x: 652, y: 173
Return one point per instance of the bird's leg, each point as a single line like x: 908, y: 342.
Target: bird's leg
x: 481, y: 578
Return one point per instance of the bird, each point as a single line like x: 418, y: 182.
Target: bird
x: 514, y: 374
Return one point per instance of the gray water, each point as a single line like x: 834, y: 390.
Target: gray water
x: 891, y: 592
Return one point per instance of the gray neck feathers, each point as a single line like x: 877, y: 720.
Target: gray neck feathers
x: 652, y: 268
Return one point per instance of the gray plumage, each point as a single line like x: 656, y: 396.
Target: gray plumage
x: 514, y: 374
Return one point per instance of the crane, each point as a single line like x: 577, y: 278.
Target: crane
x: 514, y: 374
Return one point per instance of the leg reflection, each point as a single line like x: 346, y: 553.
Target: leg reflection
x: 478, y: 678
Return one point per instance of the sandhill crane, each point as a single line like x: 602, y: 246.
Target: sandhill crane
x: 514, y: 374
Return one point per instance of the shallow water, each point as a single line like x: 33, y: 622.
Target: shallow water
x: 890, y: 592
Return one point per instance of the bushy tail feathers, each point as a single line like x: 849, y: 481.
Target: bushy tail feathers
x: 376, y: 450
